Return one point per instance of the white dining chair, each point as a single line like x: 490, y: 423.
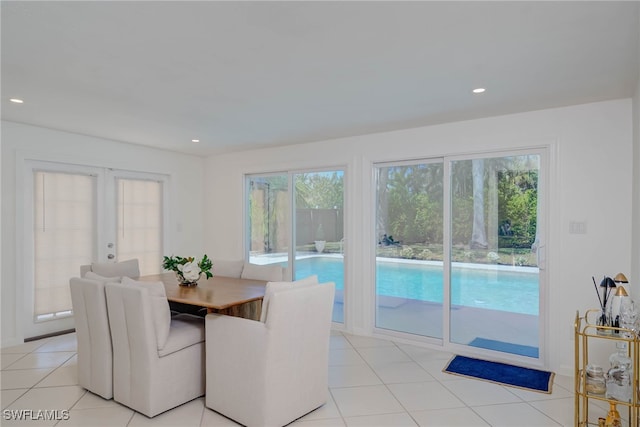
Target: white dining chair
x: 95, y: 353
x: 269, y: 272
x: 273, y: 372
x: 227, y: 268
x: 158, y: 360
x: 128, y: 268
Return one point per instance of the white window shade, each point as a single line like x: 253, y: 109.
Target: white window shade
x: 64, y: 238
x: 140, y: 223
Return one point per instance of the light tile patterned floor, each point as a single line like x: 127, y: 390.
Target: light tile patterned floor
x: 372, y: 382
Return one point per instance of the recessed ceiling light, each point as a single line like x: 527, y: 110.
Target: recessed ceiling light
x: 195, y: 140
x: 479, y: 90
x: 16, y: 101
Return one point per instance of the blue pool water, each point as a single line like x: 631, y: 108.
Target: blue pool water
x: 506, y: 290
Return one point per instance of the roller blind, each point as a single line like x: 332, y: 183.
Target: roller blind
x: 63, y: 227
x: 139, y: 231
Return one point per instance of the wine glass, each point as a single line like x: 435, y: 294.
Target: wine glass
x: 629, y: 318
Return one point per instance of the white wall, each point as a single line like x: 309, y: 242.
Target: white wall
x: 591, y: 150
x: 22, y: 141
x: 635, y: 249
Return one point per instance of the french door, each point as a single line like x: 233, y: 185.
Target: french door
x: 77, y: 215
x: 457, y: 253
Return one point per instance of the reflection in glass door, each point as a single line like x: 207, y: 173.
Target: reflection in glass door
x: 494, y: 286
x: 268, y: 219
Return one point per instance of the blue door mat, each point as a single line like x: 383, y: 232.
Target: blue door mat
x: 501, y: 373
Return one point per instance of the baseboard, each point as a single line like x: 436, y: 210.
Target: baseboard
x: 52, y: 334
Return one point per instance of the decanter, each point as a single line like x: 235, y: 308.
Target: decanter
x: 619, y: 377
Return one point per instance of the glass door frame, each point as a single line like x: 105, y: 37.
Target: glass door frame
x: 246, y: 229
x: 545, y: 153
x: 542, y: 230
x: 291, y: 252
x: 403, y: 163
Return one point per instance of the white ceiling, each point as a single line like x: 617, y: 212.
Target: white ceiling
x: 240, y: 75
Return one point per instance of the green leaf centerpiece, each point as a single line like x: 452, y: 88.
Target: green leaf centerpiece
x: 188, y: 270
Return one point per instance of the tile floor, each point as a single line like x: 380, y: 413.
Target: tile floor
x: 372, y: 382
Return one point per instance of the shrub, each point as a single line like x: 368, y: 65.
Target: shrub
x: 424, y: 254
x: 493, y: 257
x: 407, y: 252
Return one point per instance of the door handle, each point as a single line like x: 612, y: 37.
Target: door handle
x: 111, y: 256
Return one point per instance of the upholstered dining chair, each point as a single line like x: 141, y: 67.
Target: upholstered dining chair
x: 95, y: 354
x: 269, y: 272
x: 273, y: 372
x: 158, y: 360
x: 273, y: 287
x: 129, y: 268
x: 227, y: 268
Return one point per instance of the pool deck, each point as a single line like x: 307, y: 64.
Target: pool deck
x: 466, y: 323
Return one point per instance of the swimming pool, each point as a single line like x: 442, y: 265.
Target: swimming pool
x: 506, y: 289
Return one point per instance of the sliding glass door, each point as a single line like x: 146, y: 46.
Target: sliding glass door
x: 409, y: 251
x: 296, y: 219
x: 268, y: 219
x: 457, y: 244
x: 495, y: 279
x: 319, y: 230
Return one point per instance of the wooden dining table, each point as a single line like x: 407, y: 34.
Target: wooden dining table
x: 218, y: 294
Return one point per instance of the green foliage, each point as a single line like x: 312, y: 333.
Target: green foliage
x: 428, y: 219
x: 269, y: 205
x: 518, y: 196
x: 412, y: 196
x: 410, y: 201
x: 461, y: 220
x: 206, y: 265
x: 172, y: 263
x: 320, y: 190
x: 424, y: 254
x: 407, y: 252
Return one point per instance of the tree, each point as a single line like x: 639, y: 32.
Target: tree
x: 322, y: 190
x: 382, y: 203
x: 479, y: 233
x: 518, y: 201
